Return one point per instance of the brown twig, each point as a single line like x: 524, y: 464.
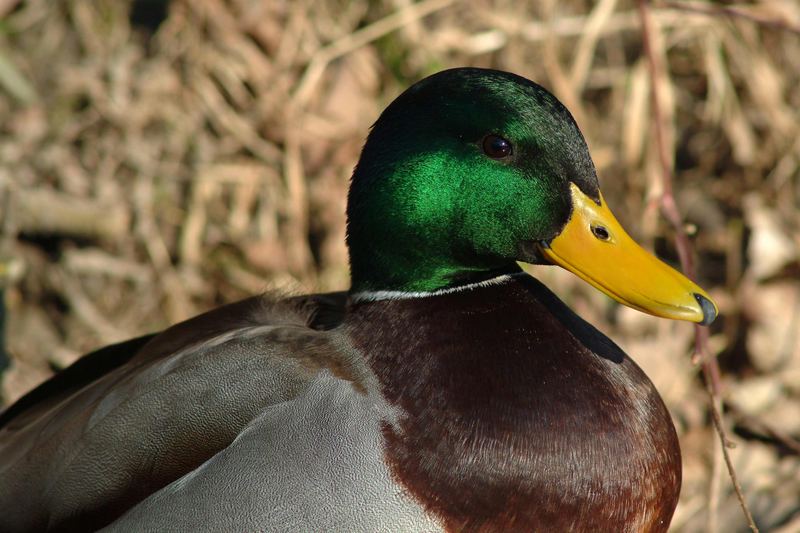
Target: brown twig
x: 733, y: 12
x: 47, y: 211
x: 781, y: 437
x: 359, y: 38
x: 669, y: 208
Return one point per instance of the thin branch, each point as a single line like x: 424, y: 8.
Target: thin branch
x: 733, y: 11
x: 782, y: 438
x: 720, y: 427
x: 669, y: 208
x: 360, y: 38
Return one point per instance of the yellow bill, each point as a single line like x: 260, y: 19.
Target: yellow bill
x: 594, y: 246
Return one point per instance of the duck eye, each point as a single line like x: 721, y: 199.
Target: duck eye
x: 496, y: 147
x: 601, y: 233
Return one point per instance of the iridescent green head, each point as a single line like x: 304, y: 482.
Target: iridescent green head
x: 457, y: 174
x: 471, y: 170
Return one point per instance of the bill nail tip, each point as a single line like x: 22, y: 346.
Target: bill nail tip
x: 708, y: 309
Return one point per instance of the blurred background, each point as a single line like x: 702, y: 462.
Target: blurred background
x: 159, y: 158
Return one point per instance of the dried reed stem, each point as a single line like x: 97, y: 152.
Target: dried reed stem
x: 359, y: 38
x: 669, y: 208
x: 733, y: 12
x: 782, y: 437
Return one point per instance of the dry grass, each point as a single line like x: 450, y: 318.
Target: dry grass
x: 151, y: 169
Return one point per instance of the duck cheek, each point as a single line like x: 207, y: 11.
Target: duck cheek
x: 530, y: 251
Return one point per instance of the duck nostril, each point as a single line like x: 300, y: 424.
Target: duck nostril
x: 600, y: 232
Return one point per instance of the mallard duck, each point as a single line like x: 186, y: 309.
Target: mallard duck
x: 447, y: 390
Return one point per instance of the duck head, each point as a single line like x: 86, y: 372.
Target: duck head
x: 471, y: 170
